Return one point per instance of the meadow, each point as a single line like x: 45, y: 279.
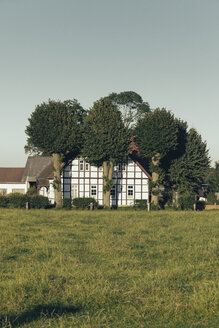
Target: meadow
x: 108, y: 269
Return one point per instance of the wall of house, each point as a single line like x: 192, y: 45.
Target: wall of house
x: 81, y: 179
x: 7, y: 188
x: 48, y: 192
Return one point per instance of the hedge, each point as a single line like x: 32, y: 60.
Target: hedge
x: 84, y: 203
x: 17, y: 200
x: 67, y: 203
x: 140, y: 204
x: 187, y: 201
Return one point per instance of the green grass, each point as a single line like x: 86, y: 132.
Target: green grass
x: 108, y: 269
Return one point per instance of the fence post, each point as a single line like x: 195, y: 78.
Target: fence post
x: 148, y: 204
x: 91, y: 206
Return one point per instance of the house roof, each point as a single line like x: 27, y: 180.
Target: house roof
x: 38, y: 168
x: 142, y: 162
x: 11, y: 174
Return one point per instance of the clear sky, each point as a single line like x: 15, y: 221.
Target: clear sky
x: 165, y: 50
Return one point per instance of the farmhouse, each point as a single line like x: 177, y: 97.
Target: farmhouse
x: 80, y: 179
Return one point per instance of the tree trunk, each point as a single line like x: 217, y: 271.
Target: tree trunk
x: 57, y: 180
x: 107, y: 172
x: 155, y: 176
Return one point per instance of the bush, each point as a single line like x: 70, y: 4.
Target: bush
x: 16, y: 200
x: 140, y: 204
x: 3, y: 201
x: 200, y: 205
x: 67, y: 203
x: 187, y: 201
x: 38, y: 201
x: 211, y: 198
x: 154, y: 207
x: 84, y: 203
x: 31, y: 191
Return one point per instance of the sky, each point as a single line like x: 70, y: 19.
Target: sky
x: 165, y: 50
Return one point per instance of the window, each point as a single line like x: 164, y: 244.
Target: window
x: 19, y: 190
x: 93, y: 190
x: 74, y: 191
x: 86, y: 166
x: 3, y: 192
x: 81, y: 166
x: 113, y: 191
x: 130, y: 191
x: 121, y: 167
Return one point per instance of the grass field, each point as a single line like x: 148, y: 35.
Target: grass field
x: 108, y: 269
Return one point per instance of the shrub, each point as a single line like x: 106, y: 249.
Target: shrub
x: 16, y: 200
x: 200, y: 205
x: 211, y: 198
x: 154, y: 207
x: 38, y: 201
x: 31, y: 191
x: 84, y: 203
x: 140, y: 204
x: 3, y: 201
x: 67, y: 203
x: 187, y: 201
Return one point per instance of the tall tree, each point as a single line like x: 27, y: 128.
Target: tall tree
x: 156, y: 136
x: 131, y: 106
x: 212, y: 179
x: 189, y: 171
x: 55, y: 128
x: 106, y: 140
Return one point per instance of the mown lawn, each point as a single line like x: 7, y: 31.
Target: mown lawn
x: 108, y: 269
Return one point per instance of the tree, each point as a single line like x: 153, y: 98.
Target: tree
x: 188, y: 172
x: 55, y: 128
x: 131, y: 106
x: 212, y: 179
x: 106, y: 140
x: 156, y: 136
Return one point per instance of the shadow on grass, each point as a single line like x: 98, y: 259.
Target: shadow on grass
x: 40, y: 311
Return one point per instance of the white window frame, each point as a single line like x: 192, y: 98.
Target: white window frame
x: 93, y: 190
x: 81, y: 165
x: 74, y: 191
x: 130, y: 191
x: 3, y: 191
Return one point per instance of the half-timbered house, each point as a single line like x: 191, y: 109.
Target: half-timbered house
x: 80, y: 179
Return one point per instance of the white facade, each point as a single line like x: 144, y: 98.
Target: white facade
x: 80, y: 179
x: 48, y: 192
x: 7, y: 188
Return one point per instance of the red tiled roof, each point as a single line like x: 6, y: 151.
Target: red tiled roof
x: 11, y: 174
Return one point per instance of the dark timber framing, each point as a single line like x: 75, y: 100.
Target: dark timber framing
x: 134, y: 175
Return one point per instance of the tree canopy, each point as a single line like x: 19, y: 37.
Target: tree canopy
x: 212, y: 179
x: 131, y: 106
x: 189, y: 171
x: 156, y: 133
x: 55, y: 127
x: 105, y: 137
